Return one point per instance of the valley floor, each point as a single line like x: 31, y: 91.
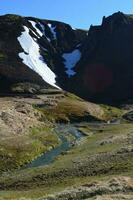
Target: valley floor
x: 99, y: 166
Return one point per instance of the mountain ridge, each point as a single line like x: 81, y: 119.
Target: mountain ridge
x: 94, y: 64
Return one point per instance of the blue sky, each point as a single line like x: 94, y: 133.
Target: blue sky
x: 78, y: 13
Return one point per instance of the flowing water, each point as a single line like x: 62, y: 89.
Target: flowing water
x: 63, y: 132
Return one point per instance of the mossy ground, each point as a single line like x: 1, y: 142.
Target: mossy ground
x: 18, y: 150
x: 72, y: 108
x: 111, y: 113
x: 91, y: 160
x: 68, y: 108
x: 98, y: 156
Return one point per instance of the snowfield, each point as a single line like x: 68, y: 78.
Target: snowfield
x: 32, y: 58
x: 70, y: 61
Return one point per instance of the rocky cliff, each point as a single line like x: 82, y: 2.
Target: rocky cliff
x: 36, y: 54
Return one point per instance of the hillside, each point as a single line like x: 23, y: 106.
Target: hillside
x: 66, y: 109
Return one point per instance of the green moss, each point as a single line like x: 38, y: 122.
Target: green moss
x: 111, y: 112
x: 74, y: 97
x: 14, y: 153
x: 70, y: 108
x: 72, y: 168
x: 45, y: 135
x: 18, y: 150
x: 66, y: 172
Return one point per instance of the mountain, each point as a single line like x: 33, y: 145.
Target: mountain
x: 36, y: 54
x: 31, y: 50
x: 54, y: 144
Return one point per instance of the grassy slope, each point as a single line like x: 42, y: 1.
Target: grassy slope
x: 72, y: 108
x: 73, y: 168
x: 17, y: 150
x: 111, y: 112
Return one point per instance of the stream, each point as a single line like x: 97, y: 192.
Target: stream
x: 64, y: 132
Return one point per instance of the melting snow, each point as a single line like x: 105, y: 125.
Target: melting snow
x: 32, y: 58
x: 43, y: 29
x: 52, y: 30
x: 71, y: 59
x: 41, y: 33
x: 35, y: 27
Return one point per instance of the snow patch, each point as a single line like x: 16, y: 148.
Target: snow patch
x: 43, y: 29
x: 53, y: 30
x: 35, y: 27
x: 71, y: 59
x: 32, y: 58
x: 73, y: 28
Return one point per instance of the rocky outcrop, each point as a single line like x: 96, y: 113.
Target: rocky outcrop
x: 116, y: 187
x: 106, y: 65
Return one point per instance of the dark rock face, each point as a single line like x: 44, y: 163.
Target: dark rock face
x: 106, y: 67
x: 104, y: 72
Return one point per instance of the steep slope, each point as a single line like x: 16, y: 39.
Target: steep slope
x: 106, y: 65
x: 31, y: 49
x: 96, y: 65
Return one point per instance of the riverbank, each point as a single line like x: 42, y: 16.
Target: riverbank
x: 27, y: 132
x: 104, y: 154
x: 68, y: 136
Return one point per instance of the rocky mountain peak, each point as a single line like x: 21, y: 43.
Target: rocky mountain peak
x: 116, y: 19
x: 96, y: 65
